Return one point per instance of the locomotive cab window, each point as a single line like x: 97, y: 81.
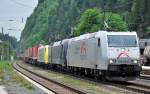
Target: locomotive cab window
x: 122, y: 41
x: 99, y: 42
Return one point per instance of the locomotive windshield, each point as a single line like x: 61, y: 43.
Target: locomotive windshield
x: 122, y: 41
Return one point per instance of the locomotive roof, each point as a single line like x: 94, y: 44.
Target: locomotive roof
x: 121, y: 33
x: 85, y: 36
x: 91, y: 35
x: 41, y: 47
x: 57, y: 43
x: 46, y: 45
x: 65, y: 40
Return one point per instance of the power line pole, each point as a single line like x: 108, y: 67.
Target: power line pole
x: 22, y: 20
x: 2, y: 29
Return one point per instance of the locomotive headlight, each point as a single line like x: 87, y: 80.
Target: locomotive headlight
x: 135, y: 61
x: 111, y: 61
x: 122, y: 49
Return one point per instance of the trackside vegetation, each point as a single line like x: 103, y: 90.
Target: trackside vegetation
x: 8, y: 75
x: 91, y: 87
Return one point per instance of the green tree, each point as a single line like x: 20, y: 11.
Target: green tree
x: 92, y: 20
x: 54, y: 20
x: 116, y: 22
x: 148, y: 29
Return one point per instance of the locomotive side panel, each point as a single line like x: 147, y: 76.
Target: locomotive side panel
x: 41, y: 55
x: 82, y: 53
x: 102, y: 62
x: 46, y: 54
x: 64, y: 51
x: 56, y: 54
x: 50, y: 54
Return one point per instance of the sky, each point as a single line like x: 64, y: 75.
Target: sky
x: 11, y: 14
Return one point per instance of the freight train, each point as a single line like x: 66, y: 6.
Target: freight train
x: 112, y: 55
x: 145, y: 51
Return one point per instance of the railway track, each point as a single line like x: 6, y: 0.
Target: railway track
x: 147, y: 77
x: 54, y: 86
x: 145, y: 74
x: 133, y: 86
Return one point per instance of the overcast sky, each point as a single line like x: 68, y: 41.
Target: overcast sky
x: 15, y: 10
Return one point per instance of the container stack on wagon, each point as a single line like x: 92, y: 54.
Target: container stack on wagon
x: 31, y: 54
x: 35, y: 53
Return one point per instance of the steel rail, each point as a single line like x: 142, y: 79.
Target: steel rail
x: 52, y: 85
x: 134, y: 87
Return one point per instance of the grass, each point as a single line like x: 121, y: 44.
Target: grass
x: 91, y: 87
x: 7, y: 74
x: 20, y: 80
x: 2, y: 69
x: 1, y: 76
